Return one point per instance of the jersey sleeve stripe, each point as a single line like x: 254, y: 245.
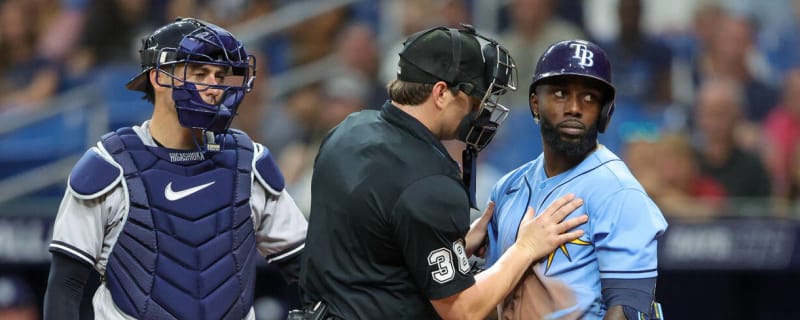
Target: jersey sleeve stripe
x: 72, y: 252
x: 628, y: 271
x: 629, y: 274
x: 286, y: 254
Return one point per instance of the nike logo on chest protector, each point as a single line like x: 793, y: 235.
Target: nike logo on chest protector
x: 172, y: 195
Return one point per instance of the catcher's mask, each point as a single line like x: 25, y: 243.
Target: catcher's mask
x: 192, y: 43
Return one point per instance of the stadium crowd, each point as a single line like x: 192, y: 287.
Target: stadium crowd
x: 707, y: 114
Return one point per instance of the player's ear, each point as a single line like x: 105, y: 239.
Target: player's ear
x: 153, y: 75
x: 534, y: 103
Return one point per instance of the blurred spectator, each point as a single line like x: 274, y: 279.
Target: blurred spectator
x: 61, y: 35
x: 782, y: 46
x: 684, y: 191
x: 27, y: 79
x: 642, y: 75
x: 358, y: 53
x: 777, y: 37
x: 781, y: 133
x: 792, y: 206
x: 290, y: 125
x: 454, y: 12
x: 418, y: 15
x: 223, y: 13
x: 732, y: 54
x: 342, y: 95
x: 643, y: 72
x: 719, y: 116
x: 572, y: 11
x: 115, y: 27
x: 311, y: 39
x: 687, y: 46
x: 16, y: 300
x: 534, y: 26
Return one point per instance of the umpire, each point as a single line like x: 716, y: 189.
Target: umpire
x: 388, y: 232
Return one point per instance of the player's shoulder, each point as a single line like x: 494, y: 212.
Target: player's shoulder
x: 95, y: 174
x: 266, y: 170
x: 612, y: 171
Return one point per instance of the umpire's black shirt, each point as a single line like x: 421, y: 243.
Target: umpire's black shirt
x: 388, y: 217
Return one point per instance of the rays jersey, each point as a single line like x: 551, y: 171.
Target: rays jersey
x: 174, y: 234
x: 619, y: 240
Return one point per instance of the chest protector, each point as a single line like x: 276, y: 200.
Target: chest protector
x: 187, y: 249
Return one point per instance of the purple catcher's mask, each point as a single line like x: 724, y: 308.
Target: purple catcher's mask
x: 198, y: 56
x: 207, y: 49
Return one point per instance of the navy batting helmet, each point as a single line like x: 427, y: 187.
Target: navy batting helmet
x: 580, y: 58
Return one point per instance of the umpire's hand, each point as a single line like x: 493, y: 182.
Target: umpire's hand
x: 543, y: 233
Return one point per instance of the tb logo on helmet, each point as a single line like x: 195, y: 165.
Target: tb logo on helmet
x: 583, y: 54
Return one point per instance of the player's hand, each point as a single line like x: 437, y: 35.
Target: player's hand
x: 477, y: 232
x: 542, y: 234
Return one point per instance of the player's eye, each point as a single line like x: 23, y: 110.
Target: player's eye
x: 559, y: 93
x: 589, y: 98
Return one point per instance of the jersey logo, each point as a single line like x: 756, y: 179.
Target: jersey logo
x: 565, y: 251
x: 172, y: 195
x: 512, y: 190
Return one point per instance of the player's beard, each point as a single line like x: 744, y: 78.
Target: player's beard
x: 581, y: 148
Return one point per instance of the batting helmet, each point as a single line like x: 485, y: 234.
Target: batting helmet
x: 191, y: 41
x: 580, y: 58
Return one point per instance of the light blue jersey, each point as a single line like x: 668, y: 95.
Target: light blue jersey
x: 619, y: 240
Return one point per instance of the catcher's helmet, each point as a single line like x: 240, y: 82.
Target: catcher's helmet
x: 581, y: 58
x: 188, y: 41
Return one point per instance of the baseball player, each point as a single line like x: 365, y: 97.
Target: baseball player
x: 171, y: 213
x: 610, y: 271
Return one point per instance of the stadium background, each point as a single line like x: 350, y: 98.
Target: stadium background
x: 732, y: 250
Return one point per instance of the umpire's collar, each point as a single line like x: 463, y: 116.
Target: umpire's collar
x: 405, y: 121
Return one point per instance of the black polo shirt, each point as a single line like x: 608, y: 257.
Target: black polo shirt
x: 388, y: 219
